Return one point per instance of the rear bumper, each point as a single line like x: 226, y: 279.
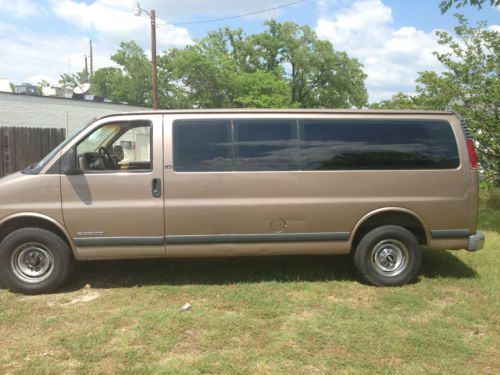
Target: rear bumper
x: 476, y: 241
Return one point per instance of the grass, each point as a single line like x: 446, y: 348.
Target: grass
x: 283, y: 315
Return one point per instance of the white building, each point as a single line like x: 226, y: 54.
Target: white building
x: 5, y: 85
x: 53, y: 112
x: 60, y: 92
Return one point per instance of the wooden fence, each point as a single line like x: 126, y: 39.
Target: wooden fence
x: 20, y: 147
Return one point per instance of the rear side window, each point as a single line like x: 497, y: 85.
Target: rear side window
x: 377, y: 144
x: 202, y: 146
x: 265, y: 145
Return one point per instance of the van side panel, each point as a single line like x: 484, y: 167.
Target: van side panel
x: 314, y: 203
x: 18, y: 196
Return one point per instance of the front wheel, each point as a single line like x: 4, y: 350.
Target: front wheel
x: 34, y: 261
x: 388, y: 256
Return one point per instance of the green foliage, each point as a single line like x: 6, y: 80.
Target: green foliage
x: 260, y: 90
x: 109, y: 83
x: 41, y: 84
x: 399, y: 101
x: 203, y: 71
x: 285, y: 66
x: 445, y: 5
x: 74, y: 79
x: 220, y: 71
x: 134, y: 87
x: 470, y: 85
x: 261, y: 315
x: 131, y: 82
x: 318, y: 75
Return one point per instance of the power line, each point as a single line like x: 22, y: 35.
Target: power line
x: 32, y: 58
x: 82, y: 51
x: 233, y: 17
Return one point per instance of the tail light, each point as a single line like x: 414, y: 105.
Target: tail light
x: 472, y: 153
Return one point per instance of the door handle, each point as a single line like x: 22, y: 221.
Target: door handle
x: 157, y: 187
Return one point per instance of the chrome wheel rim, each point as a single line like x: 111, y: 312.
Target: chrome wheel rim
x: 32, y: 262
x: 390, y: 257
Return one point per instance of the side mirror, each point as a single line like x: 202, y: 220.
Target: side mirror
x: 70, y: 165
x: 118, y: 152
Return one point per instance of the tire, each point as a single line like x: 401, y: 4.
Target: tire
x: 388, y: 256
x: 35, y: 261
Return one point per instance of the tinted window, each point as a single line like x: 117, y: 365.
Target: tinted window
x: 265, y: 145
x: 377, y: 144
x: 202, y: 145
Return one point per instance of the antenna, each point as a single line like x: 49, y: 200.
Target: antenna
x: 81, y: 89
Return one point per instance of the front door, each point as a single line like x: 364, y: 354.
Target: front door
x: 115, y: 208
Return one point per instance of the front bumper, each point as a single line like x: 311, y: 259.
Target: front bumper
x: 476, y: 241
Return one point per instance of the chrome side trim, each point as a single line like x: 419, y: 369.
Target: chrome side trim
x: 268, y: 237
x: 210, y: 238
x: 450, y: 233
x: 119, y: 241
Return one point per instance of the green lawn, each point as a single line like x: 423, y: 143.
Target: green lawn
x: 279, y: 315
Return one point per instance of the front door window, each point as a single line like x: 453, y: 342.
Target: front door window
x: 118, y: 147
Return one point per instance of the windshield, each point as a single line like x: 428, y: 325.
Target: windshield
x: 36, y: 168
x: 97, y: 139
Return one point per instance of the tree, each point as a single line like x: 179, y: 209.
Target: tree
x: 136, y: 84
x: 202, y: 72
x: 445, y: 5
x: 109, y: 83
x: 285, y: 66
x: 399, y: 101
x: 218, y: 72
x: 40, y: 85
x: 130, y: 82
x: 260, y: 90
x: 318, y: 75
x: 73, y: 79
x: 43, y: 83
x: 470, y: 85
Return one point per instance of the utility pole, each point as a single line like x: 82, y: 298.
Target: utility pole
x: 86, y: 69
x: 153, y: 60
x: 91, y: 61
x: 154, y: 75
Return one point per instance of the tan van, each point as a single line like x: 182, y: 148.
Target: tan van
x: 378, y: 184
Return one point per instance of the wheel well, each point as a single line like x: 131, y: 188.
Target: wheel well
x: 401, y: 219
x: 30, y: 222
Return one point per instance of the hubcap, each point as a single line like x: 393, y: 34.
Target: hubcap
x: 32, y: 262
x: 390, y: 257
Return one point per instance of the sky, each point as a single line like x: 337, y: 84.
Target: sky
x: 393, y: 39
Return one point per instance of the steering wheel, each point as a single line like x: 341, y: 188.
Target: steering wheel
x: 107, y: 159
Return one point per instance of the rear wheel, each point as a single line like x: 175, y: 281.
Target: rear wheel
x: 387, y: 256
x: 34, y: 261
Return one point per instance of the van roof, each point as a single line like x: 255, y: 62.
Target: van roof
x: 290, y: 111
